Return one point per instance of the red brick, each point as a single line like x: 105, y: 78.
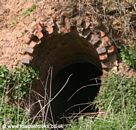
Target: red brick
x: 38, y: 27
x: 39, y: 34
x: 103, y: 57
x: 32, y: 44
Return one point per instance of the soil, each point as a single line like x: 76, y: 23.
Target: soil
x: 14, y: 29
x: 16, y: 26
x: 17, y: 19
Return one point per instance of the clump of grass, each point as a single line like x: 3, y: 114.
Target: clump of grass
x: 29, y: 10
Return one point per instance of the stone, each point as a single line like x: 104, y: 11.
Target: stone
x: 101, y: 50
x: 29, y: 50
x: 25, y: 61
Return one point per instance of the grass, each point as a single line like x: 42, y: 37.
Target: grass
x: 14, y: 88
x: 117, y: 102
x: 128, y: 55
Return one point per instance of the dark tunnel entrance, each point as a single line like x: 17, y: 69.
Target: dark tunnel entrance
x: 75, y: 77
x: 78, y: 93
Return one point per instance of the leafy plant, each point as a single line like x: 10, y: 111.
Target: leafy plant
x: 17, y: 82
x: 14, y: 84
x: 29, y: 10
x: 22, y: 78
x: 128, y: 55
x: 5, y: 81
x: 5, y: 78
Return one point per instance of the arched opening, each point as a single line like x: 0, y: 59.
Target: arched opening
x: 76, y: 70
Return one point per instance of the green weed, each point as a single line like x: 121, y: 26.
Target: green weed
x: 22, y: 78
x: 29, y: 10
x: 128, y: 55
x: 14, y: 87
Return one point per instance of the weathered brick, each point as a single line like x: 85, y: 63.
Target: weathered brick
x: 103, y: 57
x: 38, y: 27
x: 29, y: 50
x: 39, y: 34
x: 25, y: 61
x: 111, y: 49
x: 101, y: 50
x: 32, y: 44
